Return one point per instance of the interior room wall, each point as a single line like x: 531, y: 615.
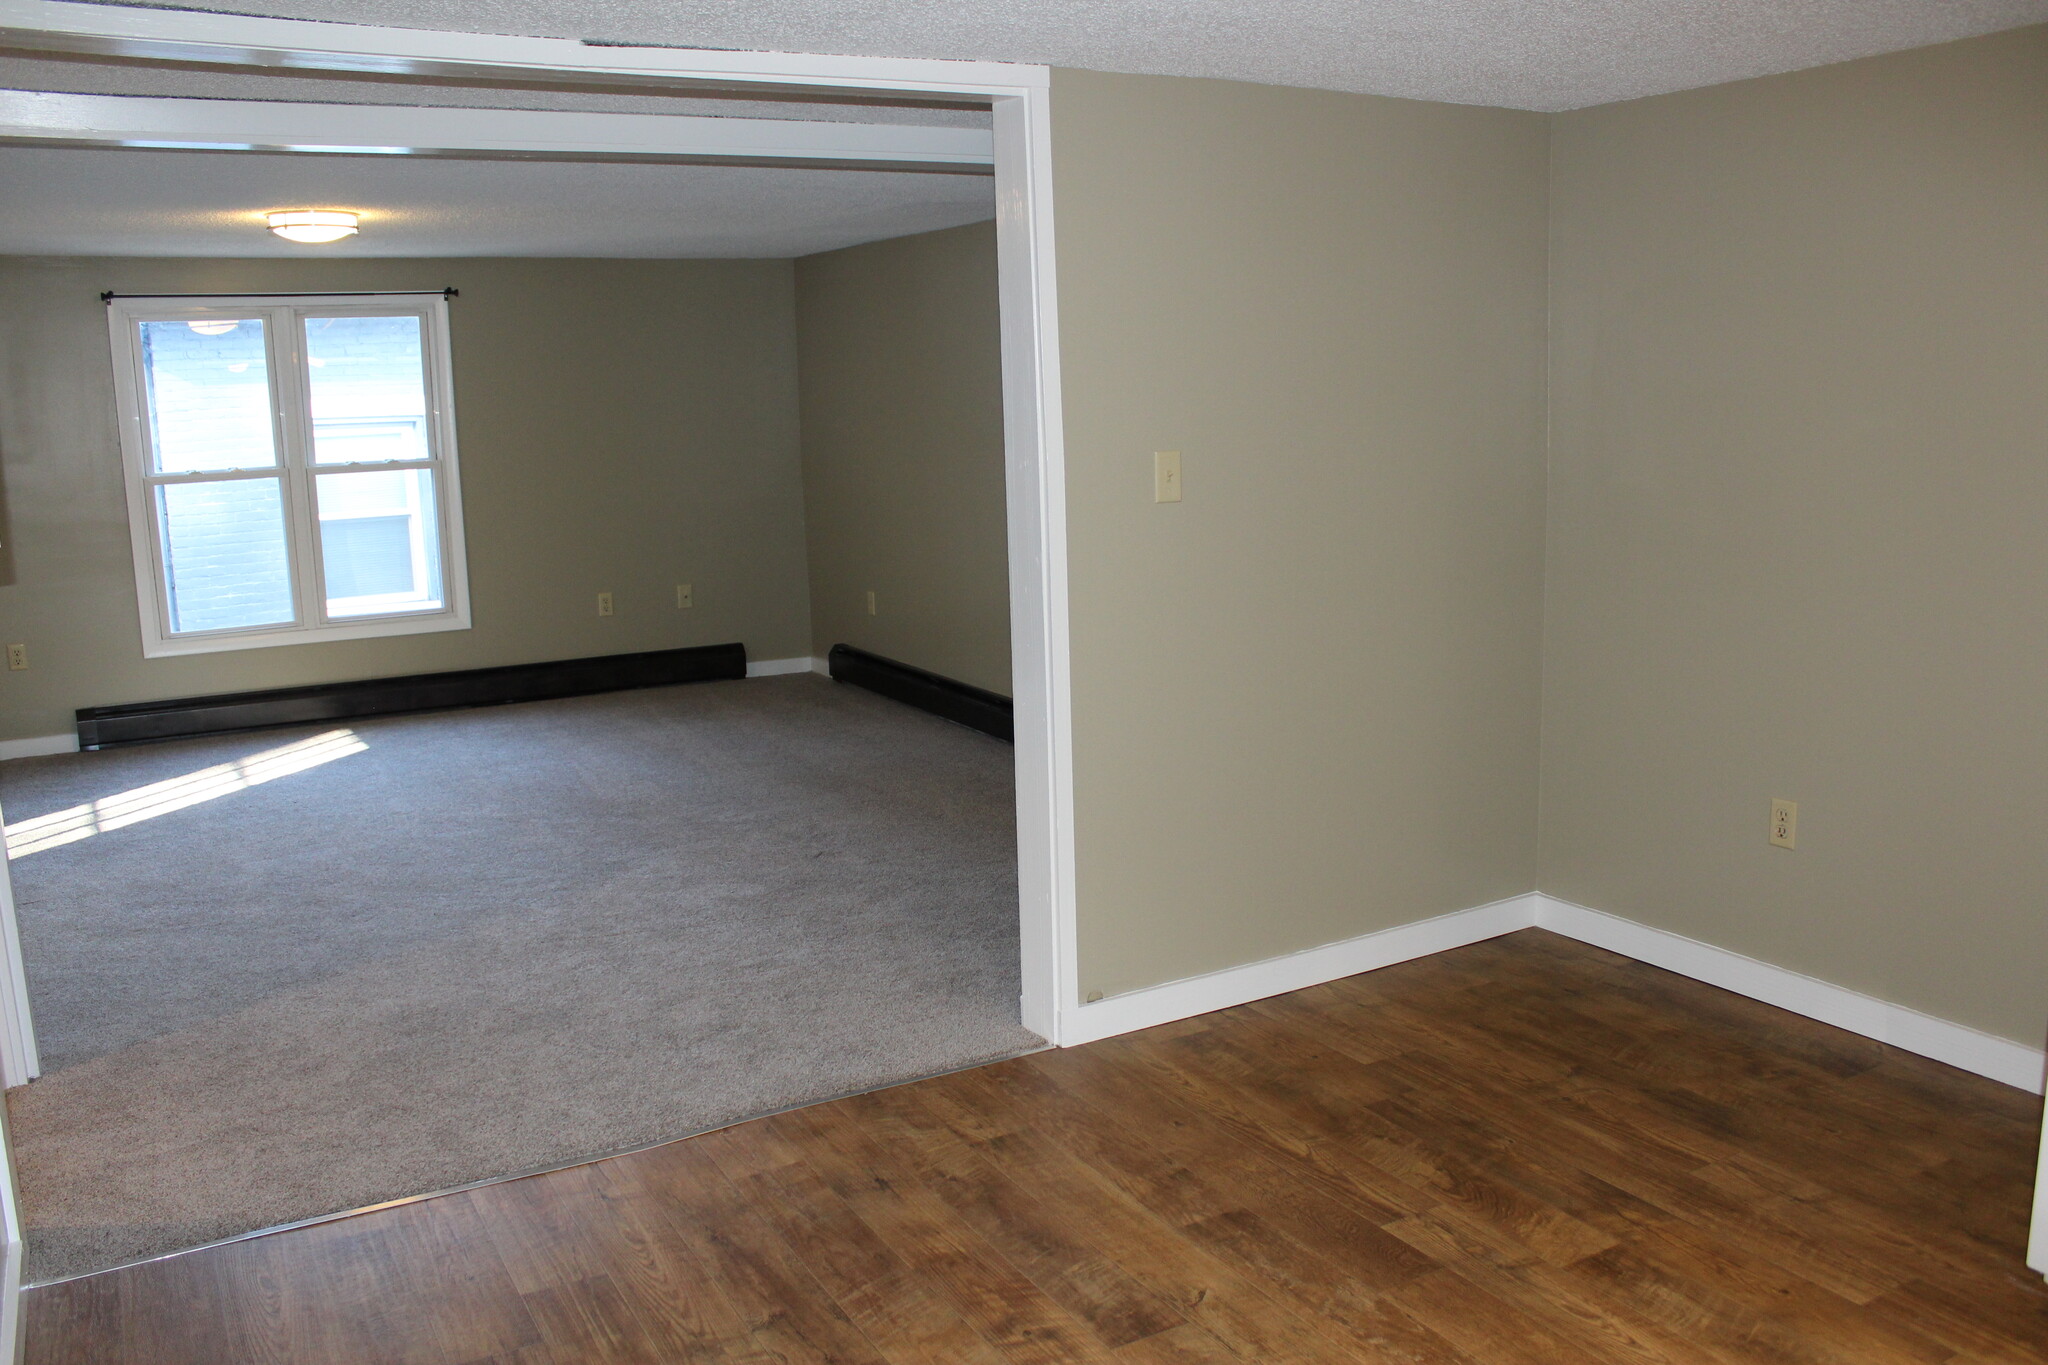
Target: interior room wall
x: 1305, y: 698
x: 901, y: 389
x: 1797, y: 333
x: 1800, y: 461
x: 624, y: 426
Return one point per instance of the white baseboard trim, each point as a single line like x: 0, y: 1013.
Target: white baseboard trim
x: 39, y: 745
x: 1959, y: 1045
x: 1278, y: 975
x: 776, y: 668
x: 822, y: 667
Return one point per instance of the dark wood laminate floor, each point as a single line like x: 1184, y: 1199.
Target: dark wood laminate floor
x: 1525, y: 1152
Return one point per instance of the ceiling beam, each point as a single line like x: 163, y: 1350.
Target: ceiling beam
x: 50, y: 119
x: 208, y: 37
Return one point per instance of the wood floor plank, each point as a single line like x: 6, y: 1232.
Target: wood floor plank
x: 1373, y: 1031
x: 674, y: 1296
x: 1009, y: 1311
x: 1492, y: 1327
x: 787, y: 1312
x: 884, y: 1295
x: 1341, y: 1110
x: 1216, y: 1177
x: 1525, y: 1152
x: 1247, y: 1205
x: 80, y: 1321
x: 1723, y: 1064
x: 675, y: 1278
x: 589, y: 1319
x: 1547, y: 1171
x: 2002, y: 1319
x: 1748, y: 1303
x: 1785, y: 1121
x: 1575, y: 1304
x: 1297, y: 1100
x: 1044, y: 1243
x: 457, y: 1293
x: 1232, y: 1300
x: 343, y: 1300
x: 1928, y: 1211
x: 1186, y: 1344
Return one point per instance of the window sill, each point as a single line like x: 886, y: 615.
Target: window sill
x: 177, y: 646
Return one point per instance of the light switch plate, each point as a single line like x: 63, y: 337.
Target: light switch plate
x: 1166, y: 476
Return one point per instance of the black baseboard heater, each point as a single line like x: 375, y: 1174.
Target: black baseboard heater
x: 960, y: 702
x: 106, y: 727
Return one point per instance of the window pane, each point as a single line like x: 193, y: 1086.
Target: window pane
x: 369, y: 388
x: 380, y: 542
x: 207, y: 384
x: 224, y: 554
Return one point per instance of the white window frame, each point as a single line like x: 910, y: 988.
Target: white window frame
x: 284, y: 317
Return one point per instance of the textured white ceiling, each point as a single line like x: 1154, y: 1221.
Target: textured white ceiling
x: 89, y: 202
x: 1538, y: 54
x: 1525, y: 54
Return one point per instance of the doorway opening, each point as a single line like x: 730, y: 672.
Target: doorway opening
x: 889, y: 760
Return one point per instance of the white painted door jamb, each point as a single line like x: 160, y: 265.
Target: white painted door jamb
x: 19, y: 1063
x: 2037, y: 1239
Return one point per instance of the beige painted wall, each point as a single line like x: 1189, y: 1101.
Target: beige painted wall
x: 624, y: 426
x: 901, y: 384
x: 1306, y: 697
x: 1797, y: 547
x: 1796, y: 478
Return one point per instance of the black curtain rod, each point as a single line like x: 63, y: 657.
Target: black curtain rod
x: 448, y: 293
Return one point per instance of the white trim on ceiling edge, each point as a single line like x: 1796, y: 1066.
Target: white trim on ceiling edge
x: 39, y: 745
x: 1958, y: 1045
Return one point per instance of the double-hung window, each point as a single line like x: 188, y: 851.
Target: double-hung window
x: 291, y: 468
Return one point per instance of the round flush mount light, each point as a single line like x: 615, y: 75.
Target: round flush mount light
x: 313, y: 225
x: 214, y: 327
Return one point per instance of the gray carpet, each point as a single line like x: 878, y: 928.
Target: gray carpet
x: 492, y: 941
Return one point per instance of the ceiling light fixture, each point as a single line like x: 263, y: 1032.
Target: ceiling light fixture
x: 214, y: 327
x: 314, y: 225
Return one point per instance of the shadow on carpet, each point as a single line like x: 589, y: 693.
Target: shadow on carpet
x: 487, y: 942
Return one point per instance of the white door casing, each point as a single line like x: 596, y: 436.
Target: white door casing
x: 2037, y: 1239
x: 19, y: 1063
